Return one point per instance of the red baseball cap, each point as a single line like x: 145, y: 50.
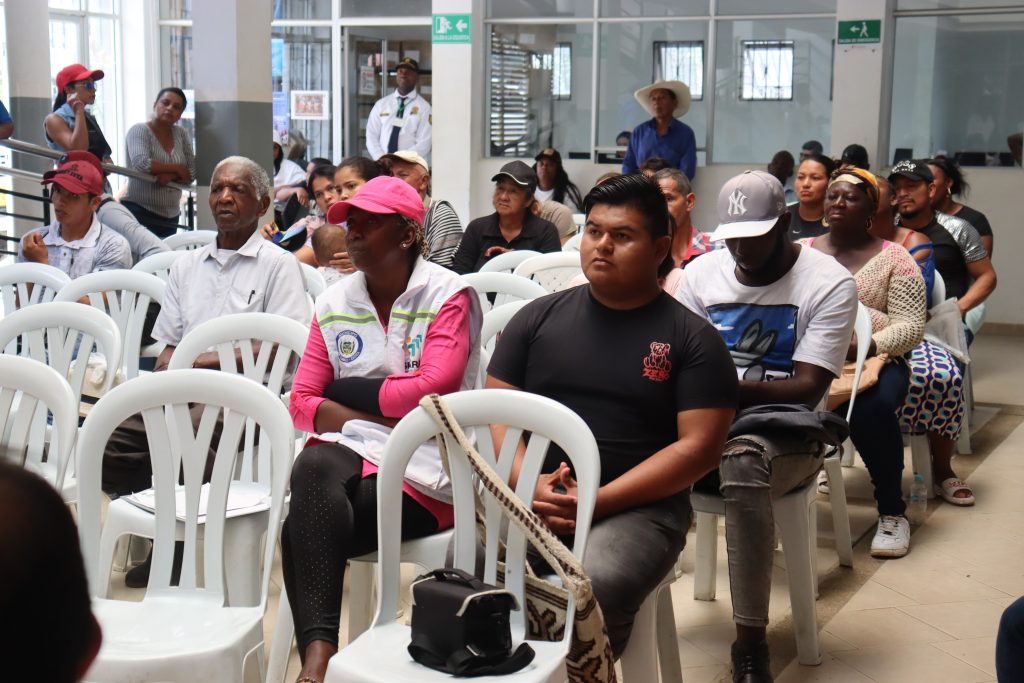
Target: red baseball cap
x: 76, y: 72
x: 77, y: 176
x: 383, y: 194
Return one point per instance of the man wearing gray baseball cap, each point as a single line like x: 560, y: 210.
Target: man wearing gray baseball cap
x: 786, y: 315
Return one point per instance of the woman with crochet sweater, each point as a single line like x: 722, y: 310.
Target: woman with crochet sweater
x: 935, y: 401
x: 890, y: 286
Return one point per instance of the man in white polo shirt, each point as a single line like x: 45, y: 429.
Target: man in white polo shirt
x: 238, y: 273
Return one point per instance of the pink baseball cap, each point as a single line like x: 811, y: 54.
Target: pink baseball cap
x: 383, y: 194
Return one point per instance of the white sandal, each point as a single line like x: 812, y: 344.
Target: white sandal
x: 948, y: 489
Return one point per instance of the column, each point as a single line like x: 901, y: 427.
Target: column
x: 457, y: 109
x: 862, y: 85
x: 231, y: 73
x: 28, y: 69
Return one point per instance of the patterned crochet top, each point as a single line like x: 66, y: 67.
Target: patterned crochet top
x: 891, y: 287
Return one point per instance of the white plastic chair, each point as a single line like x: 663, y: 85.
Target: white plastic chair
x: 315, y: 283
x: 507, y: 262
x: 505, y: 286
x: 573, y: 243
x: 183, y: 632
x: 190, y: 239
x: 282, y: 343
x: 158, y: 264
x: 26, y: 385
x: 963, y: 444
x: 797, y: 524
x: 552, y: 271
x: 61, y: 335
x: 23, y: 284
x: 380, y: 654
x: 125, y: 296
x: 580, y: 219
x: 495, y: 321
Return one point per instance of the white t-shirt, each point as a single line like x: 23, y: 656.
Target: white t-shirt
x: 543, y: 195
x: 807, y: 315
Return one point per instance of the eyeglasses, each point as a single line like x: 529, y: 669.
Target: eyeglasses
x: 88, y: 85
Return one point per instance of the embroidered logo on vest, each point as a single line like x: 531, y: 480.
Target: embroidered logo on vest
x: 350, y: 345
x: 414, y: 347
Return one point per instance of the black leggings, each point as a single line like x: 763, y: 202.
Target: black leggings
x: 333, y: 517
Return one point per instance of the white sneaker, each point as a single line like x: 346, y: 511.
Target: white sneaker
x: 892, y: 539
x: 823, y: 486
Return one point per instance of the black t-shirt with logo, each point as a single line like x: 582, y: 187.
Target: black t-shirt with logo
x: 799, y: 228
x: 949, y: 259
x: 626, y: 373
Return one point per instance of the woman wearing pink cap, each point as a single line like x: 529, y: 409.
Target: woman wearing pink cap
x: 70, y: 126
x: 396, y: 330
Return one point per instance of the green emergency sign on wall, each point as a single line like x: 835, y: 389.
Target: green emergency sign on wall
x: 450, y: 28
x: 859, y: 32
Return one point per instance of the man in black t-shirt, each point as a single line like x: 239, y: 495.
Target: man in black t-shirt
x: 653, y: 381
x: 964, y: 264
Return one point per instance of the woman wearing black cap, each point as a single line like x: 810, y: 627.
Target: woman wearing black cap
x: 553, y: 182
x: 511, y: 226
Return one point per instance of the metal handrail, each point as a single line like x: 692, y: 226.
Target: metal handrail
x: 39, y: 151
x: 18, y: 173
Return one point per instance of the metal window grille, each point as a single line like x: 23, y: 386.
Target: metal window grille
x: 767, y: 70
x: 680, y: 60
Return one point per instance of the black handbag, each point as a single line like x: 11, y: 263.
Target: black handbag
x: 460, y: 625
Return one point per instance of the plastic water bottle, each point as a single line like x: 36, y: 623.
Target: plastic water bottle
x: 918, y: 500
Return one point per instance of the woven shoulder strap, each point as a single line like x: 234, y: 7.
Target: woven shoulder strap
x: 565, y: 564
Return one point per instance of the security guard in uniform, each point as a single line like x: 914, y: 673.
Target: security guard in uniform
x: 401, y: 120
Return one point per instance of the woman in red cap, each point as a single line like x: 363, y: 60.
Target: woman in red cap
x: 396, y: 330
x: 70, y: 126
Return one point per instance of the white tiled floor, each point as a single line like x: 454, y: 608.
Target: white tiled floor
x: 930, y: 617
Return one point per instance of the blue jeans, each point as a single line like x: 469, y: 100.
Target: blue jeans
x: 875, y: 431
x: 1010, y: 644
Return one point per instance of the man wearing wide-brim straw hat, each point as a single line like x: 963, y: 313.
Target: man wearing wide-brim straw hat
x: 664, y: 135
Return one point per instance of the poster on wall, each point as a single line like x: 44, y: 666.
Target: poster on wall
x: 280, y: 114
x: 367, y: 80
x: 309, y: 104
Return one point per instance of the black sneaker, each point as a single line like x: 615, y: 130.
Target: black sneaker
x: 138, y: 576
x: 751, y: 664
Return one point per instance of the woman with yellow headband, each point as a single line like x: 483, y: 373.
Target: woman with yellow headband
x: 890, y: 286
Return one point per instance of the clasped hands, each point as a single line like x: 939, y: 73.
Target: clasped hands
x: 555, y: 500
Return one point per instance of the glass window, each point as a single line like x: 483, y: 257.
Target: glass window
x: 775, y: 6
x: 630, y: 56
x: 103, y: 54
x: 654, y: 8
x: 176, y: 70
x: 680, y: 60
x: 953, y: 4
x: 101, y: 6
x: 301, y: 68
x: 301, y: 9
x: 767, y: 70
x: 751, y: 131
x: 175, y: 9
x: 956, y: 87
x: 75, y: 5
x: 386, y: 8
x: 519, y: 9
x: 525, y: 116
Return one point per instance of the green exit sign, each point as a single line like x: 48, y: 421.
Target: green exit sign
x: 450, y: 28
x: 859, y: 32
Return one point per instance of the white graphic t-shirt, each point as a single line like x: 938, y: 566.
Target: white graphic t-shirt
x: 807, y: 315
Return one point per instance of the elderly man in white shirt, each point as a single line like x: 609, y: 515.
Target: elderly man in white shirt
x: 240, y: 272
x: 400, y: 120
